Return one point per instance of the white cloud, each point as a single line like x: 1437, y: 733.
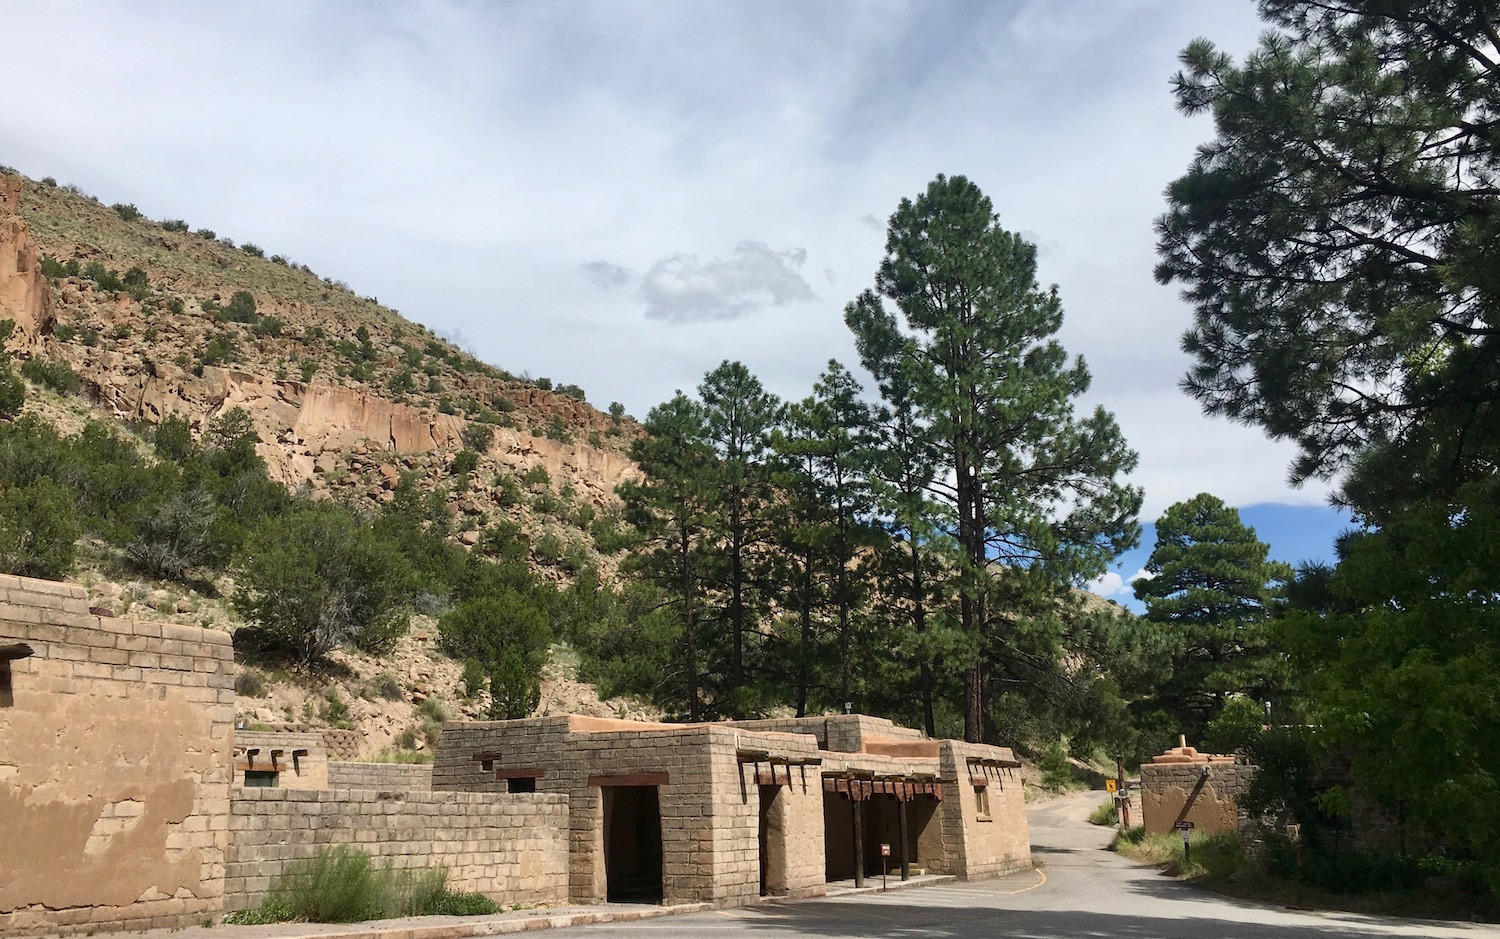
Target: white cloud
x: 1111, y: 584
x: 485, y: 167
x: 683, y: 288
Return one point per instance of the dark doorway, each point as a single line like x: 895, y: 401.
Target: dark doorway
x: 838, y: 837
x: 773, y: 847
x: 632, y: 844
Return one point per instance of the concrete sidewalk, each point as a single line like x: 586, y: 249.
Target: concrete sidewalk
x: 428, y: 927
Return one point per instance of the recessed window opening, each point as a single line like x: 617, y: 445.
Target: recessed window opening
x: 6, y: 698
x: 523, y: 784
x: 260, y: 779
x: 982, y: 800
x: 9, y: 652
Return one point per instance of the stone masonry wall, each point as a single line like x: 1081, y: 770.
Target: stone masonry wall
x: 1165, y: 788
x: 114, y: 766
x: 512, y: 848
x: 394, y: 777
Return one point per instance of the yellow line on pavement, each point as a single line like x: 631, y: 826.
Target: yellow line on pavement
x: 1043, y: 875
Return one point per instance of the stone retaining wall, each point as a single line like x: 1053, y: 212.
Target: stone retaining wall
x: 512, y: 848
x: 1166, y: 787
x: 395, y: 777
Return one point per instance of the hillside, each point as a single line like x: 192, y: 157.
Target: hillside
x: 346, y: 396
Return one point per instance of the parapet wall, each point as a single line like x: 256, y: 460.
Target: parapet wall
x: 393, y: 777
x: 114, y: 765
x: 512, y: 848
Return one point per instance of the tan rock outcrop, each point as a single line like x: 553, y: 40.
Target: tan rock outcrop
x: 24, y: 297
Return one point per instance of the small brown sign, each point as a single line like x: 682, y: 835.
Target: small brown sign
x: 885, y: 850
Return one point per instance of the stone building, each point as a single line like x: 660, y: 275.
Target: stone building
x: 729, y: 812
x: 128, y: 799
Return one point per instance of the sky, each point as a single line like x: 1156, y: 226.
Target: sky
x: 621, y: 195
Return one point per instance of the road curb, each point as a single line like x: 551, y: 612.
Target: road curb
x: 510, y: 925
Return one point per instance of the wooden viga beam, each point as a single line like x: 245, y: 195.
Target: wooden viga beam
x: 904, y: 788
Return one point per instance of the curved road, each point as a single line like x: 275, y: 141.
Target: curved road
x: 1081, y: 892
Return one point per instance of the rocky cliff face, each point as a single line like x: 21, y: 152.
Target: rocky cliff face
x: 374, y: 383
x: 24, y: 297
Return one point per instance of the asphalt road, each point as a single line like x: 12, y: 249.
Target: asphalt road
x: 1081, y: 892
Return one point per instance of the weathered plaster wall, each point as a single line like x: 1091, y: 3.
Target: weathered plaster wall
x: 114, y: 767
x: 512, y: 848
x: 1165, y: 788
x: 393, y: 777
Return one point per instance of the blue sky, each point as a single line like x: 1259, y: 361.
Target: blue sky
x: 1295, y: 533
x: 622, y: 194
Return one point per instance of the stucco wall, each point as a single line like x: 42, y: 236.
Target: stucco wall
x: 1166, y: 787
x: 512, y: 848
x: 114, y: 766
x: 395, y: 777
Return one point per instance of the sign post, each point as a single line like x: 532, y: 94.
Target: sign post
x: 885, y: 854
x: 1187, y: 847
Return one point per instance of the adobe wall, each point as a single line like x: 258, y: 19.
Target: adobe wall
x: 393, y: 777
x: 842, y: 733
x: 114, y: 766
x: 512, y: 848
x: 1165, y: 788
x: 983, y: 844
x: 298, y: 759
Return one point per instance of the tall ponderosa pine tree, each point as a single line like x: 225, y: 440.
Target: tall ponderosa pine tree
x: 824, y: 446
x: 1211, y: 593
x: 671, y: 508
x: 1029, y: 493
x: 739, y: 416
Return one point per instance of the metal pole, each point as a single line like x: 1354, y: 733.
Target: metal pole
x: 901, y: 830
x: 859, y: 841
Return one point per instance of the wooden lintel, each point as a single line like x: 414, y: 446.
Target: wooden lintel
x: 486, y: 761
x: 752, y: 756
x: 630, y: 779
x: 529, y: 772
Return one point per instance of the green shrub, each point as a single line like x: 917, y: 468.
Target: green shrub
x: 249, y: 683
x: 309, y: 368
x: 478, y: 438
x: 52, y: 269
x: 537, y: 474
x: 431, y: 709
x: 387, y: 686
x: 221, y: 349
x: 174, y: 224
x: 254, y: 250
x: 474, y: 679
x: 335, y: 710
x: 241, y: 307
x: 56, y: 374
x: 1106, y: 813
x: 268, y: 326
x: 126, y: 211
x: 572, y: 391
x: 12, y: 392
x: 39, y: 526
x: 502, y: 404
x: 1057, y: 772
x: 557, y: 430
x: 616, y: 411
x: 207, y: 234
x: 610, y: 535
x: 465, y: 462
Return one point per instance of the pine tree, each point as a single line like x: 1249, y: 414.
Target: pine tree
x: 739, y: 415
x: 1028, y: 494
x: 1211, y: 589
x: 670, y: 509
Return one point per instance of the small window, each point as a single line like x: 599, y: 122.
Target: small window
x: 6, y: 699
x: 524, y: 784
x: 982, y: 800
x: 260, y: 779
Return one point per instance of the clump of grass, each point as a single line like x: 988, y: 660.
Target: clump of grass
x: 250, y: 684
x: 343, y: 885
x: 387, y: 686
x: 1107, y: 813
x: 1213, y: 856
